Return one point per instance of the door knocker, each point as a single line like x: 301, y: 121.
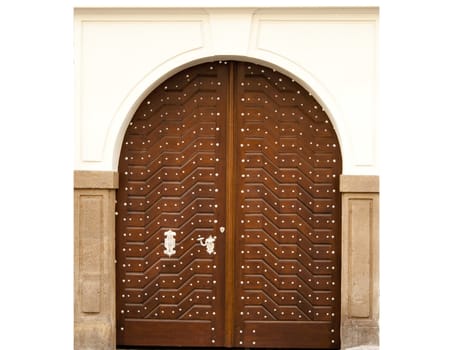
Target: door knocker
x: 209, y: 243
x: 169, y: 243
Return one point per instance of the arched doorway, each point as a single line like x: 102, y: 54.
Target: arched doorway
x: 228, y: 225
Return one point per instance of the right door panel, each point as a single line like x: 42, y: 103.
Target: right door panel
x: 287, y: 249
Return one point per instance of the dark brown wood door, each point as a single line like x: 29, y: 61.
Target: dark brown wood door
x: 240, y: 156
x: 172, y: 177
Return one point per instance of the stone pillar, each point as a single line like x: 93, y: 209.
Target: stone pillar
x: 94, y: 260
x: 359, y: 289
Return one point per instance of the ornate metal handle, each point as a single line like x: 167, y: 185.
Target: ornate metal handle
x: 208, y: 243
x: 169, y: 243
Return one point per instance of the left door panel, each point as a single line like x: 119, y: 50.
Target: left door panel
x: 172, y: 178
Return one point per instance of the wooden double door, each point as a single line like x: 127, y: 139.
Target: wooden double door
x: 228, y: 214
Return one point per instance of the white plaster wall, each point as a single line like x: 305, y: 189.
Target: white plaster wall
x: 123, y: 54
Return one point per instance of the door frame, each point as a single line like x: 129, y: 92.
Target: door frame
x: 95, y: 177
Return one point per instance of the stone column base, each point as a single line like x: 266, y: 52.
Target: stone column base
x: 94, y: 260
x: 356, y: 332
x: 359, y: 290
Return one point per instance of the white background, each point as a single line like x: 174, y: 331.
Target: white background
x: 416, y: 152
